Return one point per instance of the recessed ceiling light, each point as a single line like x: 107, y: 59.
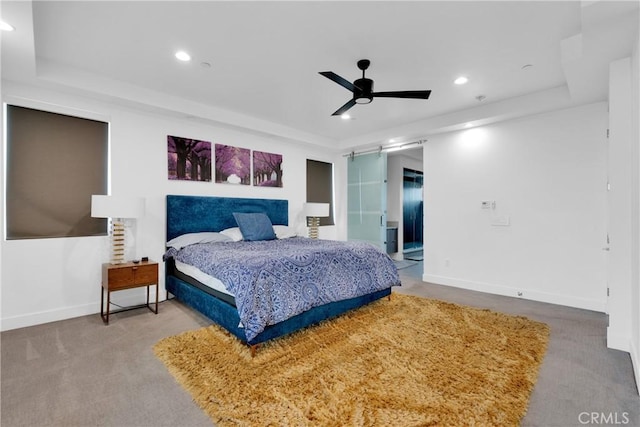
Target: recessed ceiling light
x: 461, y: 80
x: 345, y: 116
x: 183, y: 56
x: 6, y: 27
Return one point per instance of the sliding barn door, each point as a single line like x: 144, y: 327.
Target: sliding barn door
x: 367, y: 199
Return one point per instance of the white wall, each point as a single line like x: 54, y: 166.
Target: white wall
x: 623, y: 331
x: 622, y: 154
x: 51, y: 279
x: 547, y: 175
x: 624, y: 97
x: 635, y: 295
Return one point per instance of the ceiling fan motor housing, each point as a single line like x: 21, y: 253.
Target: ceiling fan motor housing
x: 363, y: 91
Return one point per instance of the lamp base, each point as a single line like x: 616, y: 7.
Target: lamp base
x: 117, y: 241
x: 313, y: 223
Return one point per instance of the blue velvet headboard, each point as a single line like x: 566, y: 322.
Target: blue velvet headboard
x: 194, y: 214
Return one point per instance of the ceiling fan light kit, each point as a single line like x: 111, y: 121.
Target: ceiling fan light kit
x: 362, y: 89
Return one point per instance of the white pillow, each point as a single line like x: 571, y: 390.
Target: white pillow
x: 284, y: 232
x: 194, y: 238
x: 233, y: 233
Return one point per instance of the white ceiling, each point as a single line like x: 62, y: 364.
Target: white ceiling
x: 265, y: 58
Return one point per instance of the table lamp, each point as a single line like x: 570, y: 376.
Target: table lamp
x: 313, y: 212
x: 117, y: 208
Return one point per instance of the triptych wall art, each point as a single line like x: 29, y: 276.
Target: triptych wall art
x: 191, y: 160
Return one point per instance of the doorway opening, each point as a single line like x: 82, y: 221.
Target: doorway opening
x: 412, y: 214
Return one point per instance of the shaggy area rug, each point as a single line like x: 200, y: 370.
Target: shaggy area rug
x: 406, y: 362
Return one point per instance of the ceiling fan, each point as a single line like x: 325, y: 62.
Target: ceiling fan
x: 363, y: 89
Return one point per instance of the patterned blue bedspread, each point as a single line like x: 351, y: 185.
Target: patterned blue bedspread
x: 277, y: 279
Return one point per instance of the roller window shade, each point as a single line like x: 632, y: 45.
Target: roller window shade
x: 320, y: 186
x: 55, y: 163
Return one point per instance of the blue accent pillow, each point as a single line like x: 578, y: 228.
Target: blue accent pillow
x: 255, y: 226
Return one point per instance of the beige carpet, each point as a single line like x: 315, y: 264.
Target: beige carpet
x: 405, y: 263
x: 406, y: 362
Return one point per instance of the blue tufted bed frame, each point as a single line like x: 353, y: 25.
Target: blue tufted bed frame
x: 192, y: 214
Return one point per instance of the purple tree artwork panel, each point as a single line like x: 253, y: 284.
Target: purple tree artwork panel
x: 233, y: 165
x: 189, y: 159
x: 267, y: 169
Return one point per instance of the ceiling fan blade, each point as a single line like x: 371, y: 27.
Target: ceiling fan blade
x: 340, y: 111
x: 340, y: 80
x: 415, y: 94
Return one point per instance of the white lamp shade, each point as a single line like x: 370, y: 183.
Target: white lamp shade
x: 116, y: 206
x: 316, y: 210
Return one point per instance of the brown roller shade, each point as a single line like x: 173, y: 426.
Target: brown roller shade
x: 320, y: 186
x: 55, y: 163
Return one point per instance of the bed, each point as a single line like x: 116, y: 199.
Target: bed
x: 280, y: 284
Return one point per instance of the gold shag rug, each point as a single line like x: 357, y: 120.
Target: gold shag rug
x: 406, y: 362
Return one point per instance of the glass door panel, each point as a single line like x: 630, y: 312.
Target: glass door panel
x: 367, y: 199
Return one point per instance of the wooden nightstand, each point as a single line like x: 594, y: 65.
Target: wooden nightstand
x: 116, y: 277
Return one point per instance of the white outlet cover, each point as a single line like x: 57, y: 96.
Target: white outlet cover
x: 503, y: 220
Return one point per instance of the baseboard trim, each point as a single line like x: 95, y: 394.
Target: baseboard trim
x: 569, y: 301
x: 41, y: 317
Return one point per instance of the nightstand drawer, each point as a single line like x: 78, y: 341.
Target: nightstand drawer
x: 118, y: 277
x: 145, y: 274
